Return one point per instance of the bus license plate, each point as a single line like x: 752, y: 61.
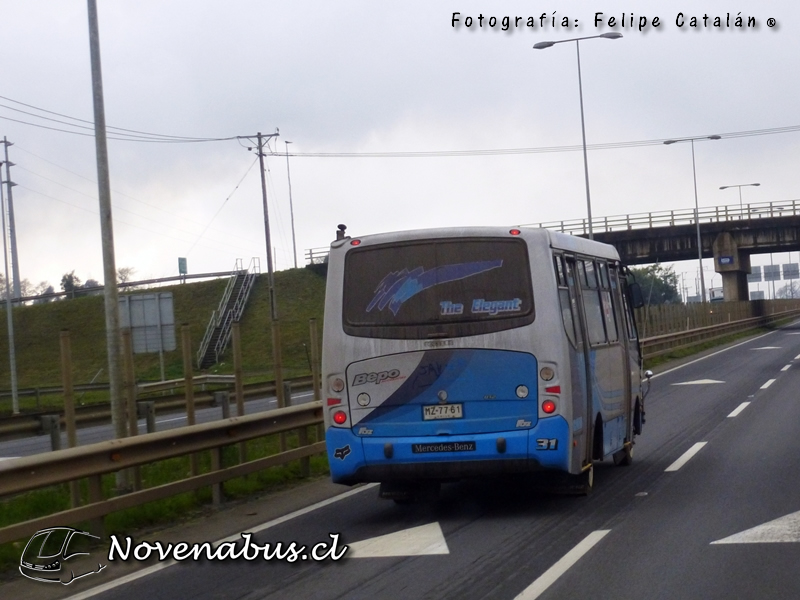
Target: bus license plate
x: 442, y: 411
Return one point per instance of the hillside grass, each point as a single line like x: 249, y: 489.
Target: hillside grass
x: 300, y: 295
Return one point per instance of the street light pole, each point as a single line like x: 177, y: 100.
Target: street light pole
x: 542, y: 46
x: 697, y: 208
x: 740, y: 186
x: 291, y: 206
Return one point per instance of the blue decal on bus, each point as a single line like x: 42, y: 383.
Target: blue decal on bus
x: 399, y: 286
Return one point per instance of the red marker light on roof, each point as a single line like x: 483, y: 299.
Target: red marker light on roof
x: 355, y: 242
x: 548, y: 406
x: 339, y: 417
x: 515, y: 232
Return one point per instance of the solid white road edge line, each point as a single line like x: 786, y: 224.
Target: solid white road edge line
x: 685, y: 457
x: 739, y: 409
x: 155, y: 568
x: 691, y: 362
x: 767, y: 384
x: 550, y: 576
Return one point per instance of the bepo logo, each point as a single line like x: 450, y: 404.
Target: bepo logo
x: 375, y: 378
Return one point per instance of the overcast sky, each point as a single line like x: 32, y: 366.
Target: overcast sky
x: 361, y: 77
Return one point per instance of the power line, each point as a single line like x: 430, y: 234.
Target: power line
x: 44, y: 110
x: 534, y: 150
x: 119, y: 133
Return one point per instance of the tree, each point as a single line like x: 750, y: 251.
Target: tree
x: 659, y: 284
x: 41, y: 289
x: 789, y: 290
x: 70, y: 283
x: 124, y: 274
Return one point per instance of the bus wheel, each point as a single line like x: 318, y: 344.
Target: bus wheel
x: 624, y: 457
x: 581, y: 485
x: 587, y: 481
x: 638, y: 419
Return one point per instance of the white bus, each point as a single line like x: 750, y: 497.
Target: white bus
x: 475, y: 352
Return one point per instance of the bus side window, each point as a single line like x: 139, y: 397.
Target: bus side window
x: 564, y: 299
x: 591, y: 303
x: 629, y: 320
x: 608, y: 302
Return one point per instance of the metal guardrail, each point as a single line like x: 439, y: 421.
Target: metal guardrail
x: 317, y: 256
x: 99, y: 387
x: 670, y: 218
x: 88, y: 291
x: 669, y: 342
x: 92, y: 461
x: 665, y: 218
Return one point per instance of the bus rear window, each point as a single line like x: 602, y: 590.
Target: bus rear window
x: 439, y: 288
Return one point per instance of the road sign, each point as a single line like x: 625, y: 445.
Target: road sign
x: 151, y: 320
x: 182, y: 269
x: 755, y: 276
x: 791, y: 271
x: 772, y: 272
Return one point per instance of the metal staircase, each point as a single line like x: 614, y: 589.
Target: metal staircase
x: 230, y: 309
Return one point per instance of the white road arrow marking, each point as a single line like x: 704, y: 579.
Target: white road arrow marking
x: 417, y: 541
x: 784, y: 529
x: 699, y: 382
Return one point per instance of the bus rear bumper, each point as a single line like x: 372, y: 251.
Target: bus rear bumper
x: 355, y: 459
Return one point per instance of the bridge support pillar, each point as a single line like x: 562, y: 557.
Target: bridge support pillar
x: 734, y: 286
x: 734, y: 265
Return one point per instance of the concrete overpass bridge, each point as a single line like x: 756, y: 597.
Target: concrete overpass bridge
x: 728, y: 234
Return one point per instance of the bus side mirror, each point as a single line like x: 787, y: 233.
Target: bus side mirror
x: 635, y: 295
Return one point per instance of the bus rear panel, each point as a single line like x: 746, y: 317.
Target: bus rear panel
x: 444, y: 356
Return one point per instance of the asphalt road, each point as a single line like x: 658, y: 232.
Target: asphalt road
x: 709, y: 509
x: 98, y: 433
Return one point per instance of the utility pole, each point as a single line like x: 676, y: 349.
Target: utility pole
x: 276, y: 336
x: 291, y: 206
x: 12, y: 228
x: 110, y: 290
x: 261, y: 142
x: 12, y: 358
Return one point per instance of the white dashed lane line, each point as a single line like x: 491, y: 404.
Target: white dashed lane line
x: 552, y: 574
x: 767, y: 384
x: 686, y: 457
x: 738, y: 409
x: 786, y: 368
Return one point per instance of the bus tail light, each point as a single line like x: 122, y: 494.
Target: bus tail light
x: 340, y: 417
x: 548, y: 406
x: 334, y: 401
